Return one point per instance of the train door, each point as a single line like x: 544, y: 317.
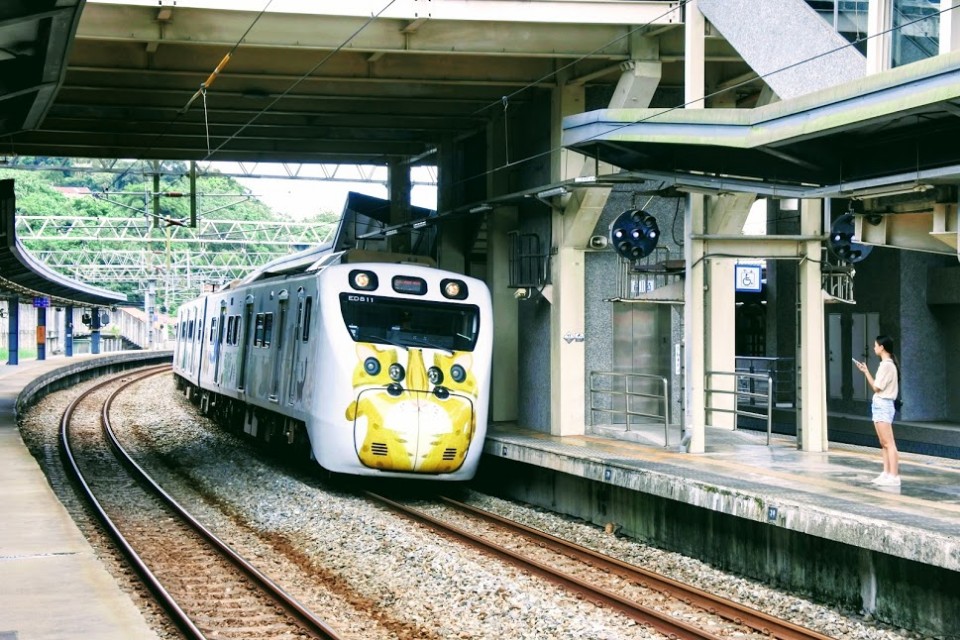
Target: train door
x: 192, y: 337
x: 298, y: 331
x: 218, y: 342
x: 201, y: 325
x: 245, y: 341
x: 278, y: 359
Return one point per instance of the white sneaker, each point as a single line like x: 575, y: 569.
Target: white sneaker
x: 880, y: 478
x: 889, y: 481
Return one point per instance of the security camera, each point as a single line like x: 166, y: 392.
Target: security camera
x: 598, y: 242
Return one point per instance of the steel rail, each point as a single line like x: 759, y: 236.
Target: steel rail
x: 663, y: 623
x: 734, y: 611
x: 311, y: 623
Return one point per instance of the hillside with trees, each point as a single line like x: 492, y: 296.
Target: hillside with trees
x: 55, y: 192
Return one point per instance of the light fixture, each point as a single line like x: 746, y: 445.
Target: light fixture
x: 391, y: 232
x: 555, y: 191
x: 419, y: 224
x: 890, y: 190
x: 481, y: 208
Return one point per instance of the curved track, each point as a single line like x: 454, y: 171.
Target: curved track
x: 208, y: 589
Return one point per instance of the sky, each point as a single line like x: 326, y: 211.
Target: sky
x: 306, y: 196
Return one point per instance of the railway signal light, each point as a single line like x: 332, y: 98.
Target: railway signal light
x: 634, y: 234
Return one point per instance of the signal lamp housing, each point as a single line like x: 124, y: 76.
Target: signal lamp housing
x: 363, y: 280
x: 454, y: 289
x: 634, y: 234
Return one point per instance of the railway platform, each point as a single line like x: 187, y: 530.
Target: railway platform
x: 809, y: 521
x: 53, y: 585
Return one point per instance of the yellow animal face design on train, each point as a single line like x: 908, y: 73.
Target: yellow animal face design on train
x: 408, y: 418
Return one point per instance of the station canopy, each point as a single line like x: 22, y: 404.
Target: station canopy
x: 892, y: 130
x: 21, y: 275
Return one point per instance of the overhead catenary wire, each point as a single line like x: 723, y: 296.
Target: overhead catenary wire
x: 226, y: 58
x: 213, y: 75
x: 303, y: 77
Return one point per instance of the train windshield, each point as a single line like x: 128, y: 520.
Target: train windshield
x: 411, y: 323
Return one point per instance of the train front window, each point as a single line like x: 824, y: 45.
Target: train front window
x: 410, y: 323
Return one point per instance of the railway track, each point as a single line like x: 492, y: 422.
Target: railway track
x: 649, y: 598
x: 207, y: 589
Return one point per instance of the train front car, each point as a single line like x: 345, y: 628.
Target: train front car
x: 404, y: 386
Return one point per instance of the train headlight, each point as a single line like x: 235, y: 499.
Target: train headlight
x: 456, y: 289
x: 396, y: 372
x: 435, y: 376
x: 371, y: 366
x: 458, y: 373
x: 363, y: 280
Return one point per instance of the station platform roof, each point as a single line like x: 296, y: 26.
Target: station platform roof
x: 21, y: 275
x: 892, y: 129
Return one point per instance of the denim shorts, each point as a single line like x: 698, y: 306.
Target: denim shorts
x: 882, y: 409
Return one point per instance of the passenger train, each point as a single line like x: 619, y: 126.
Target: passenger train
x: 379, y: 365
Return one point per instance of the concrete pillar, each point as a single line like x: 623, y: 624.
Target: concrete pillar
x: 641, y: 75
x: 949, y: 26
x: 727, y: 215
x: 41, y: 333
x: 811, y: 359
x: 879, y: 20
x: 720, y: 326
x: 567, y: 356
x: 95, y: 330
x: 694, y: 56
x: 149, y: 310
x: 694, y: 324
x: 68, y: 331
x: 567, y: 316
x: 13, y: 330
x: 399, y: 186
x: 504, y: 381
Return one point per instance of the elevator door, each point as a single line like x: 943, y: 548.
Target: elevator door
x: 641, y: 344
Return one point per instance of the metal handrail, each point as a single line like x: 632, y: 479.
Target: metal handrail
x: 782, y: 369
x: 737, y: 375
x: 626, y: 394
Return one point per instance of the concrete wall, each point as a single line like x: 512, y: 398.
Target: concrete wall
x: 533, y: 322
x: 602, y: 272
x: 923, y: 339
x: 901, y: 592
x: 949, y: 320
x: 893, y: 283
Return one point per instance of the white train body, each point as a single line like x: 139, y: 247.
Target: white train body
x: 383, y: 367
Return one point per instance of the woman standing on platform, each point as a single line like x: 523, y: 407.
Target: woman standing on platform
x: 886, y: 388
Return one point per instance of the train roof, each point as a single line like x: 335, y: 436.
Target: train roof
x: 317, y: 258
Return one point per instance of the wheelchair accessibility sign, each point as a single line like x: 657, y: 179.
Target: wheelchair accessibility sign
x: 747, y: 277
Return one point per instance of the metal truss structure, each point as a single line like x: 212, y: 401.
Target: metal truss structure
x: 327, y: 172
x: 178, y: 261
x: 140, y: 230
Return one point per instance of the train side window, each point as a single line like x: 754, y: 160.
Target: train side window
x: 267, y: 329
x: 191, y: 328
x: 213, y: 329
x: 236, y: 330
x: 230, y: 322
x: 307, y: 309
x: 258, y: 331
